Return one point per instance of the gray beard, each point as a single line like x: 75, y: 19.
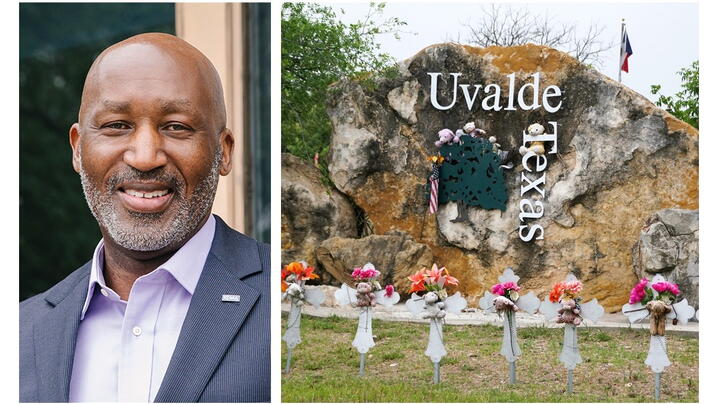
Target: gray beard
x: 143, y: 232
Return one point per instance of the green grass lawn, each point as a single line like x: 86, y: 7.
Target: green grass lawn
x: 325, y: 366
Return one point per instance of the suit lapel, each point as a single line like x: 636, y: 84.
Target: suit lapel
x: 211, y: 324
x: 54, y: 336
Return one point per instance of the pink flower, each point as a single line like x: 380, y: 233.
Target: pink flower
x: 638, y: 292
x: 498, y: 289
x: 365, y: 274
x: 434, y: 275
x: 369, y: 273
x: 662, y: 287
x: 389, y: 290
x: 511, y: 286
x: 573, y: 288
x: 356, y: 273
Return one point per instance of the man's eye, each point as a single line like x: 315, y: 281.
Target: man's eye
x: 116, y: 125
x: 174, y: 127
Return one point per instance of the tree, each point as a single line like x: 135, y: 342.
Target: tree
x: 684, y: 104
x: 503, y: 25
x: 318, y: 50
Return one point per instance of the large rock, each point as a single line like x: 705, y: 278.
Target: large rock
x: 312, y: 211
x: 668, y: 244
x: 620, y: 156
x: 395, y: 255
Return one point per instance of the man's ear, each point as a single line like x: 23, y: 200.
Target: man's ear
x: 75, y: 144
x: 226, y: 141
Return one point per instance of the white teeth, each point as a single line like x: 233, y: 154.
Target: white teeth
x: 148, y: 195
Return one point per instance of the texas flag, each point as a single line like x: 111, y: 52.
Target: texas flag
x: 625, y: 51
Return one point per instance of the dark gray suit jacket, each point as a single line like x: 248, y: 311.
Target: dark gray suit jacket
x: 223, y: 350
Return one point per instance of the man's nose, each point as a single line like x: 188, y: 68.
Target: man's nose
x: 145, y: 151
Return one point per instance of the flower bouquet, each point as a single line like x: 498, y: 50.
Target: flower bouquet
x: 564, y: 305
x: 657, y: 299
x: 434, y: 303
x: 505, y: 300
x: 367, y: 294
x: 294, y: 275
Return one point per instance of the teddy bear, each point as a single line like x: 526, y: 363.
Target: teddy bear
x: 433, y: 306
x: 658, y: 310
x: 568, y: 313
x: 294, y: 292
x: 502, y: 303
x: 446, y: 136
x: 535, y: 129
x: 365, y: 295
x: 471, y: 130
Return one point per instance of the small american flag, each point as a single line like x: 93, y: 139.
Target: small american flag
x: 434, y: 181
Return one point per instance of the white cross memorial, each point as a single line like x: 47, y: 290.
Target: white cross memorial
x: 430, y: 306
x: 592, y: 311
x: 528, y: 303
x: 364, y: 339
x: 658, y: 312
x: 298, y: 293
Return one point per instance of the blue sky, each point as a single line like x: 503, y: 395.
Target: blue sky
x: 664, y: 36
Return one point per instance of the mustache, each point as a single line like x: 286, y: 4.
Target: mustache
x: 159, y: 174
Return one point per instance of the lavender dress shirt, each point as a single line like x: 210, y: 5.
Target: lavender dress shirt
x: 124, y: 347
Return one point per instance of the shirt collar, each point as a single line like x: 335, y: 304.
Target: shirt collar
x: 185, y: 265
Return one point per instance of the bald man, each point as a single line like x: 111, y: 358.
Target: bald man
x: 174, y: 304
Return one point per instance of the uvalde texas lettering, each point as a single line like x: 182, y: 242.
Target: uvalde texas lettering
x: 532, y: 187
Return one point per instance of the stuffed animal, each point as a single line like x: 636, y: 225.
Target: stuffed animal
x: 535, y: 129
x: 471, y: 129
x: 658, y: 310
x: 446, y: 136
x: 496, y: 146
x: 568, y: 313
x: 502, y: 303
x: 433, y: 307
x: 294, y: 291
x: 365, y: 295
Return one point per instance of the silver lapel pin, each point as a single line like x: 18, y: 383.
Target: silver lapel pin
x: 230, y: 298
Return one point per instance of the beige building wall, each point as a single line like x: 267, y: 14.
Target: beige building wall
x: 217, y: 30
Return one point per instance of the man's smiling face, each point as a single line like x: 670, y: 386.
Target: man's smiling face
x: 151, y: 142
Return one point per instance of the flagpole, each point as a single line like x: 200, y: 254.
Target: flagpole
x: 620, y: 57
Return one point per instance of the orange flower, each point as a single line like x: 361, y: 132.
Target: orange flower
x: 417, y: 287
x: 450, y: 280
x: 556, y: 292
x: 295, y: 267
x: 285, y: 285
x: 418, y: 281
x: 308, y: 273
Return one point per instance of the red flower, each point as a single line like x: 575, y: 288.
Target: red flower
x: 556, y: 292
x: 308, y: 273
x: 418, y: 281
x: 417, y: 287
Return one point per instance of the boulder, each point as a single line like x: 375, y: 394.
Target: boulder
x: 395, y: 255
x: 618, y: 156
x: 668, y: 244
x: 312, y: 211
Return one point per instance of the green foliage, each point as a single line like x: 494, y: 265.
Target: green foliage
x: 318, y: 50
x: 684, y: 104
